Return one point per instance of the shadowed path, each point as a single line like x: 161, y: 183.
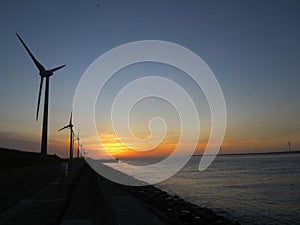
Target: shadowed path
x: 18, y: 183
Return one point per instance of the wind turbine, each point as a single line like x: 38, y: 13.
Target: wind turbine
x: 78, y: 144
x: 70, y: 126
x: 81, y: 150
x: 43, y: 74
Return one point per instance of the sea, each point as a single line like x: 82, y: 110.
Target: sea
x: 255, y: 189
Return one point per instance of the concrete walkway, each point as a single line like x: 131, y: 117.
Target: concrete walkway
x: 121, y: 207
x: 97, y: 200
x: 83, y: 197
x: 44, y: 205
x: 85, y: 200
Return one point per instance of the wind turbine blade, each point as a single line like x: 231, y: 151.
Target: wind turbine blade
x: 74, y: 136
x: 39, y: 99
x: 57, y: 68
x: 38, y: 65
x: 70, y: 119
x: 63, y: 128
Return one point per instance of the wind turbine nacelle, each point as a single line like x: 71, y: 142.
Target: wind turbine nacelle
x: 46, y: 73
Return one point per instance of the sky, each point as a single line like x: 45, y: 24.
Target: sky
x: 252, y: 47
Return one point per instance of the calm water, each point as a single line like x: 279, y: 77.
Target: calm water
x: 252, y: 189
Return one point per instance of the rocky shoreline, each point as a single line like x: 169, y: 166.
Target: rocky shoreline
x: 176, y: 210
x: 170, y: 208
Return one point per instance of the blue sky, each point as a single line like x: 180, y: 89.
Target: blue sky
x: 251, y: 46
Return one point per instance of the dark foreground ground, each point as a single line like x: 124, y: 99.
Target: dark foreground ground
x: 38, y: 193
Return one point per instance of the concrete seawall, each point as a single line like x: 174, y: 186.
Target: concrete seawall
x: 85, y: 197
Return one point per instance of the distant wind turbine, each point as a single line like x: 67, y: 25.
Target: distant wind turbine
x: 81, y: 150
x: 43, y: 74
x: 78, y: 144
x: 70, y: 126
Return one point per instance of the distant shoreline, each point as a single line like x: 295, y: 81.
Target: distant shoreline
x: 6, y: 150
x: 255, y: 153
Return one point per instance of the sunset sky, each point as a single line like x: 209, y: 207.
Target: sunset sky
x: 252, y: 47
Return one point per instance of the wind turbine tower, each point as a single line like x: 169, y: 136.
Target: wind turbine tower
x: 43, y: 74
x: 78, y: 144
x: 81, y: 150
x: 70, y: 126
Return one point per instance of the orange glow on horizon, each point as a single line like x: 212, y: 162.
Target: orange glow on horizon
x: 117, y: 149
x: 111, y: 145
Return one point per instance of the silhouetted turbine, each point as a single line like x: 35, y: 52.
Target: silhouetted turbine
x: 43, y: 74
x: 70, y: 126
x: 81, y: 150
x: 78, y: 144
